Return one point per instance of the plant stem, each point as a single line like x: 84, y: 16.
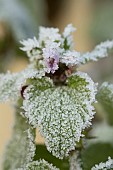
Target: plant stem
x: 74, y: 161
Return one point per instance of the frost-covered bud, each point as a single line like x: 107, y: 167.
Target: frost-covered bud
x: 51, y: 59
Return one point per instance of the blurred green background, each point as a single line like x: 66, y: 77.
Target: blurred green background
x: 20, y: 19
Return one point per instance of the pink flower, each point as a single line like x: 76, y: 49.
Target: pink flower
x: 51, y: 59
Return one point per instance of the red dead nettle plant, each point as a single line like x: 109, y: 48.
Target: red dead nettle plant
x: 50, y: 94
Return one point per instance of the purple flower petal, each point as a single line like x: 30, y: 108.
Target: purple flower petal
x: 51, y: 59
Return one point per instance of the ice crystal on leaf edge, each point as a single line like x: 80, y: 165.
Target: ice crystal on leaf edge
x: 108, y: 165
x: 38, y: 165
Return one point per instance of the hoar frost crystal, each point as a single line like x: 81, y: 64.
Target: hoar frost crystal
x: 54, y: 96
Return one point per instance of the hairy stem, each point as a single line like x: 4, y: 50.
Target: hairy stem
x: 74, y: 161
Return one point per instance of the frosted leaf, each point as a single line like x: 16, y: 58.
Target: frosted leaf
x: 32, y: 48
x: 100, y: 51
x: 106, y: 93
x: 71, y: 58
x: 31, y: 94
x: 48, y: 35
x: 29, y: 44
x: 68, y: 38
x: 11, y: 83
x: 105, y: 97
x: 104, y: 166
x: 38, y: 165
x: 29, y: 73
x: 62, y: 113
x: 79, y: 79
x: 68, y: 30
x: 7, y: 86
x: 21, y: 148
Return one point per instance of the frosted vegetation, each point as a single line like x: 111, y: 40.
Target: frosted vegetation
x: 51, y: 95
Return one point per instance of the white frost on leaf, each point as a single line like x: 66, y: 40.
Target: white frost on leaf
x: 86, y: 90
x: 62, y: 113
x: 106, y: 92
x: 69, y: 29
x: 11, y: 83
x: 7, y: 86
x: 48, y: 35
x: 67, y: 34
x: 105, y: 98
x: 21, y: 148
x: 108, y: 165
x: 30, y: 94
x: 70, y: 58
x: 32, y: 48
x: 29, y: 44
x: 38, y: 165
x: 29, y: 73
x: 100, y: 51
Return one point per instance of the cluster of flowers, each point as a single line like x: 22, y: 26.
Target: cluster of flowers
x: 53, y: 51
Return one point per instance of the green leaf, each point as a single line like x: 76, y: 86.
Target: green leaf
x: 96, y: 153
x: 21, y: 148
x: 42, y: 153
x: 105, y: 97
x: 38, y: 165
x: 62, y: 113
